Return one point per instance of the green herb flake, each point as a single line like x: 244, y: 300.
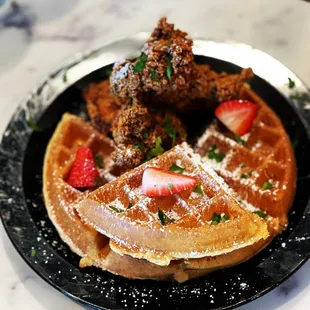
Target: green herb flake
x: 267, y: 185
x: 140, y: 146
x: 240, y: 140
x: 140, y: 63
x: 97, y: 182
x: 170, y: 186
x: 224, y: 218
x: 291, y: 83
x: 129, y: 205
x: 157, y: 150
x: 169, y: 66
x: 33, y: 125
x: 171, y: 131
x: 240, y: 201
x: 164, y: 219
x: 242, y: 166
x: 176, y: 168
x: 217, y: 156
x: 145, y: 135
x: 99, y: 161
x: 153, y: 74
x: 199, y: 190
x: 33, y: 252
x: 217, y: 218
x: 246, y: 175
x: 261, y: 214
x: 116, y: 209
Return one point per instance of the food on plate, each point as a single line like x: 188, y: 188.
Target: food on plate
x: 259, y: 166
x: 199, y: 218
x: 165, y: 73
x: 129, y: 195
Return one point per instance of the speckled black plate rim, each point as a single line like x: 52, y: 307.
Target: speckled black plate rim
x: 17, y: 134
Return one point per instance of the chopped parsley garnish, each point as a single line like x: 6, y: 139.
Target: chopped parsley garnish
x: 224, y: 218
x: 33, y: 125
x: 246, y: 175
x: 217, y: 156
x: 33, y: 252
x: 170, y: 186
x: 199, y: 190
x: 242, y: 166
x: 129, y: 205
x: 140, y: 64
x: 145, y: 135
x: 157, y: 150
x: 240, y: 201
x: 218, y: 218
x: 164, y: 219
x: 97, y: 182
x: 116, y: 209
x: 140, y: 146
x: 240, y: 140
x: 267, y: 185
x: 176, y: 168
x: 169, y: 67
x: 99, y: 161
x: 291, y: 83
x: 153, y: 74
x: 261, y: 214
x: 171, y: 132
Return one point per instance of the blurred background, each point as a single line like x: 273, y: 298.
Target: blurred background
x: 37, y: 35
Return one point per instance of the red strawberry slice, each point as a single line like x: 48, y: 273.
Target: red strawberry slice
x: 159, y: 182
x: 84, y: 172
x: 237, y: 115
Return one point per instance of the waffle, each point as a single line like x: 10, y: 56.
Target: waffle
x: 61, y: 199
x: 138, y: 232
x: 261, y: 169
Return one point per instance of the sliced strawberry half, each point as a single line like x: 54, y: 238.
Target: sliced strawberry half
x: 84, y: 172
x: 158, y: 182
x: 237, y: 115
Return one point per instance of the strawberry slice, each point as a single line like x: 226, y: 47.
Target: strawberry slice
x: 158, y: 182
x: 84, y: 172
x: 237, y: 115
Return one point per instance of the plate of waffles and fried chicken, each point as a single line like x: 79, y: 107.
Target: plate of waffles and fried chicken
x: 156, y: 175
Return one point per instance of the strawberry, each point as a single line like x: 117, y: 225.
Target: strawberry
x: 84, y: 172
x: 159, y: 182
x: 237, y: 115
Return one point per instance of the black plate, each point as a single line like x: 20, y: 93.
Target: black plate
x: 27, y: 224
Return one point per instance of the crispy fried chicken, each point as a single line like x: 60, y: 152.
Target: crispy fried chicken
x: 140, y: 135
x: 166, y: 73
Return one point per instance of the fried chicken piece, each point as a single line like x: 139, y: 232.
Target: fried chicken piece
x: 102, y: 106
x: 207, y: 88
x: 166, y: 74
x: 140, y: 135
x: 166, y: 64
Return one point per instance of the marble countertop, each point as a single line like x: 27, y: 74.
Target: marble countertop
x: 37, y: 35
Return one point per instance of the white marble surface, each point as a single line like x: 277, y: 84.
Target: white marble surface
x: 43, y: 33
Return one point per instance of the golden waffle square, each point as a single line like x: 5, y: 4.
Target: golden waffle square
x: 259, y: 166
x: 137, y: 230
